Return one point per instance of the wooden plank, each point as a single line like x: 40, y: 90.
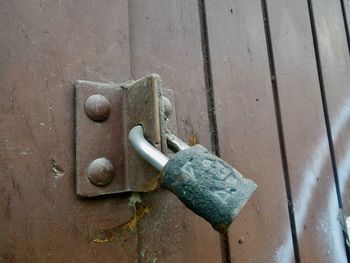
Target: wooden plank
x: 44, y: 47
x: 248, y: 135
x: 345, y: 5
x: 335, y: 67
x: 165, y: 39
x: 305, y: 135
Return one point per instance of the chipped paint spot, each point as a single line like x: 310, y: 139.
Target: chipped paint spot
x: 142, y: 253
x: 108, y: 235
x: 134, y: 199
x: 56, y: 170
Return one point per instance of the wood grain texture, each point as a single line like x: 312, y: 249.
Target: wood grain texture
x: 165, y: 39
x: 335, y: 68
x: 248, y: 136
x: 305, y: 135
x: 346, y: 15
x: 45, y: 46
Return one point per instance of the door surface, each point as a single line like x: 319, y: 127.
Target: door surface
x: 264, y: 84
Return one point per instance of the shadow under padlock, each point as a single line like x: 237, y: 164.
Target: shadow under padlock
x: 124, y: 131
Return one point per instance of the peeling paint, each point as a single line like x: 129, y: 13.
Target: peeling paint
x: 56, y: 170
x: 134, y: 199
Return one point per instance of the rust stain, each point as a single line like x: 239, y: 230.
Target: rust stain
x: 192, y: 140
x: 151, y: 184
x: 108, y: 235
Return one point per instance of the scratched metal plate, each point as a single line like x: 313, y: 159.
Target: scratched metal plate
x: 100, y: 139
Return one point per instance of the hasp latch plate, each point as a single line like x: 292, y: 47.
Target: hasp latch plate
x: 106, y: 163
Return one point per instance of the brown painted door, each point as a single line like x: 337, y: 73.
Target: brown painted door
x: 265, y: 84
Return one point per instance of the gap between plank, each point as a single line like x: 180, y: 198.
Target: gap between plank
x: 325, y: 106
x: 345, y: 18
x: 225, y: 246
x: 280, y: 130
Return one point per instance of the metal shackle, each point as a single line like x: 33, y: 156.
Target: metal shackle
x: 146, y: 150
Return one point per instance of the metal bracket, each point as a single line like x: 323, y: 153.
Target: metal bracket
x: 105, y: 162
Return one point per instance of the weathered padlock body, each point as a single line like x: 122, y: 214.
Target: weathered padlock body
x: 207, y: 185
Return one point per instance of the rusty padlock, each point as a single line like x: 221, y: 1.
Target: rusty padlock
x: 205, y: 183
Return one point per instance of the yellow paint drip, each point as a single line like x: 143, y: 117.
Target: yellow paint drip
x: 192, y: 140
x: 133, y: 222
x: 108, y: 235
x: 151, y: 184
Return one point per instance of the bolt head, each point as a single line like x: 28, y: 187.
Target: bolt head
x: 97, y: 107
x: 100, y: 172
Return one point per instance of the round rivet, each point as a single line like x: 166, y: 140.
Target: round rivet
x: 97, y: 107
x: 168, y: 108
x: 100, y: 172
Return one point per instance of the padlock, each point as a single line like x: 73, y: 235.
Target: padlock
x: 205, y: 183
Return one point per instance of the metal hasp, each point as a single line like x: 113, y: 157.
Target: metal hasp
x: 105, y: 162
x: 107, y: 115
x: 206, y: 184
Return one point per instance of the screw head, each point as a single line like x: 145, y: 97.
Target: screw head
x: 168, y: 108
x: 100, y: 172
x: 97, y: 107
